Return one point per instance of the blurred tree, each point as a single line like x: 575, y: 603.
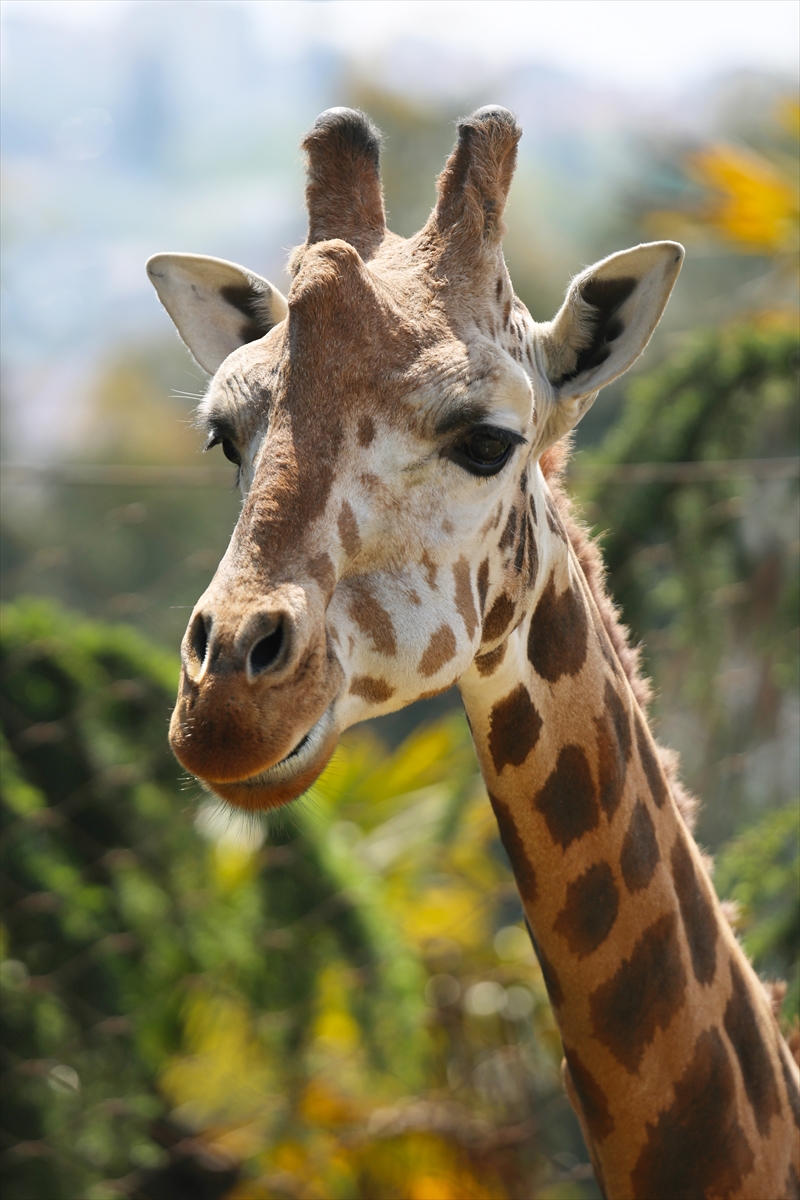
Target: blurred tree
x: 760, y: 870
x: 344, y: 1011
x: 706, y: 573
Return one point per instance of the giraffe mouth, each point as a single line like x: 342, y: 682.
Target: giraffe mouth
x: 285, y: 780
x: 298, y: 759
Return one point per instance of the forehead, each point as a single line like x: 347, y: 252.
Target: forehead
x: 394, y: 359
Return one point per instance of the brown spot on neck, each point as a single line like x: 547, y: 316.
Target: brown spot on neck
x: 514, y: 728
x: 590, y: 910
x: 650, y: 763
x: 643, y: 995
x: 558, y: 635
x: 697, y: 1147
x: 487, y: 664
x: 498, y: 618
x: 613, y: 750
x: 514, y: 846
x: 591, y: 1096
x: 747, y: 1039
x: 567, y: 801
x: 640, y: 854
x: 699, y: 920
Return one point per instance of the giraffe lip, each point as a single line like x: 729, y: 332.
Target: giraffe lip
x: 298, y: 759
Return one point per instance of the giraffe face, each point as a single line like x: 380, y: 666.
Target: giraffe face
x: 371, y: 538
x: 387, y: 419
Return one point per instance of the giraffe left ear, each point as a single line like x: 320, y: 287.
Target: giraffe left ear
x: 216, y: 305
x: 605, y: 322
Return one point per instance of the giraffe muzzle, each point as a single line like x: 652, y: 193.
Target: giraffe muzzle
x: 254, y: 717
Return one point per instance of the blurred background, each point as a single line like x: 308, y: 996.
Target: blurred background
x: 344, y: 1004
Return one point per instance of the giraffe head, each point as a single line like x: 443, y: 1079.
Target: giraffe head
x: 387, y: 418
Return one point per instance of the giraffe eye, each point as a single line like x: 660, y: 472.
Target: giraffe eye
x: 228, y: 448
x: 485, y: 450
x: 230, y: 452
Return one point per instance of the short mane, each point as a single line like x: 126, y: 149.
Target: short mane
x: 554, y: 463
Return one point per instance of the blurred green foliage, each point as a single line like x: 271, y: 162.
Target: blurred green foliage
x: 760, y: 870
x: 343, y: 1010
x: 706, y: 573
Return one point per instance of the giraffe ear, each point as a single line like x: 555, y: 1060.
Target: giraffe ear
x: 216, y: 305
x: 606, y: 320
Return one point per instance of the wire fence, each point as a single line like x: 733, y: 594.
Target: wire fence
x: 111, y: 475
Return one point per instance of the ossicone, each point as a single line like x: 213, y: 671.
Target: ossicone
x: 473, y: 187
x: 344, y: 196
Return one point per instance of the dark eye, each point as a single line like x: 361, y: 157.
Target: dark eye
x: 484, y: 450
x: 230, y: 452
x: 228, y: 448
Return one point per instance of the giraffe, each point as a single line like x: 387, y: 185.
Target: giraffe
x: 399, y: 422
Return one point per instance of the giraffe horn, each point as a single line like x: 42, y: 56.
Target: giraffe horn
x: 473, y: 187
x: 344, y: 196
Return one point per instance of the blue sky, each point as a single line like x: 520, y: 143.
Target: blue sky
x: 657, y: 45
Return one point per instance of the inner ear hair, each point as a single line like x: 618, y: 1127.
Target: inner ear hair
x: 594, y: 324
x: 254, y: 302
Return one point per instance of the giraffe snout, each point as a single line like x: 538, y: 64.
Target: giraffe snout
x: 257, y: 677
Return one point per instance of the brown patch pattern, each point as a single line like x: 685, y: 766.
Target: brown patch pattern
x: 430, y: 569
x: 514, y: 728
x: 440, y: 649
x: 498, y: 618
x: 365, y: 431
x: 507, y: 539
x: 699, y: 922
x: 533, y: 555
x: 375, y: 690
x: 643, y: 995
x: 465, y: 602
x: 650, y: 763
x: 589, y: 911
x: 567, y: 801
x: 483, y: 583
x: 640, y: 854
x: 553, y: 519
x: 792, y: 1184
x: 741, y: 1026
x: 697, y: 1147
x: 514, y: 846
x: 321, y: 568
x: 558, y: 635
x: 348, y: 530
x: 487, y: 664
x: 592, y: 1097
x: 372, y: 618
x: 613, y: 751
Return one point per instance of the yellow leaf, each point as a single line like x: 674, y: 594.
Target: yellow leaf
x: 752, y: 204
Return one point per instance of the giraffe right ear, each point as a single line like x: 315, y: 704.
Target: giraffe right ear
x: 604, y: 324
x: 217, y: 306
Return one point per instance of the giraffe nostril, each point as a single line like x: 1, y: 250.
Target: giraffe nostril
x: 266, y: 651
x: 198, y: 639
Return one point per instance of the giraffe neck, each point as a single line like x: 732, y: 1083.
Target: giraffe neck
x: 674, y: 1062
